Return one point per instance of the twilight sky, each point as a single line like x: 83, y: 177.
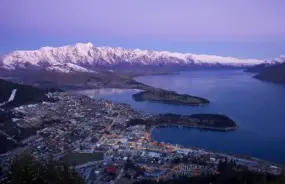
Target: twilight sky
x: 241, y: 28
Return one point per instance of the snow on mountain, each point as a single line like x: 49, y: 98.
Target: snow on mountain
x: 86, y: 57
x: 68, y: 68
x: 225, y: 60
x: 277, y: 60
x: 266, y: 64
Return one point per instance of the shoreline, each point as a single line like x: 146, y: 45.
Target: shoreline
x: 213, y: 122
x: 227, y: 154
x: 227, y: 129
x: 169, y: 97
x: 142, y: 88
x: 197, y: 127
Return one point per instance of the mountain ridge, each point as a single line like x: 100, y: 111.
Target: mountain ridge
x: 270, y: 70
x: 85, y: 57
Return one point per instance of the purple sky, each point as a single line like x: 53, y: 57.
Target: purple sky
x: 26, y: 24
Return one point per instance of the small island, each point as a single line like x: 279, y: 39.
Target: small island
x: 203, y: 121
x: 169, y: 97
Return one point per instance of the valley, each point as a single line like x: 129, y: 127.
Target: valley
x: 142, y: 92
x: 44, y: 112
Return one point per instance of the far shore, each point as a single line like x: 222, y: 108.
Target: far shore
x: 169, y: 97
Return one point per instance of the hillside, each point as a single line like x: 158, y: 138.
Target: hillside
x: 72, y: 81
x: 275, y: 73
x: 13, y: 94
x: 266, y: 64
x: 257, y: 68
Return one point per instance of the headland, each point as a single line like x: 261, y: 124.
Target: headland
x: 216, y: 122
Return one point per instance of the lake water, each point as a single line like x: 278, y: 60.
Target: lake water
x: 257, y: 107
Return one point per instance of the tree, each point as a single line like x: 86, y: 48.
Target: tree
x: 281, y: 179
x: 25, y: 169
x: 129, y: 164
x: 176, y: 160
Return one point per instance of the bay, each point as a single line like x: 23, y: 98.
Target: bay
x: 256, y: 106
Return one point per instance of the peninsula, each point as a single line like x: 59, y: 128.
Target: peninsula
x: 169, y: 97
x: 203, y: 121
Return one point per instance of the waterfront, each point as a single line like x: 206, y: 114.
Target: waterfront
x: 239, y: 142
x: 256, y: 106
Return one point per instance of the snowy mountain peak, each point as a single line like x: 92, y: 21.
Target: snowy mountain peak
x: 277, y: 60
x: 83, y: 46
x: 86, y: 57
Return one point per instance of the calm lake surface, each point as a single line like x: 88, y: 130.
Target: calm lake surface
x: 257, y: 107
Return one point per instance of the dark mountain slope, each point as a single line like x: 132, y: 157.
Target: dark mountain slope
x: 24, y: 94
x: 266, y: 64
x: 257, y: 68
x: 275, y: 73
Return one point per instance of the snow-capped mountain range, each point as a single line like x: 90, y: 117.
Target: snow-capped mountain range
x: 85, y: 57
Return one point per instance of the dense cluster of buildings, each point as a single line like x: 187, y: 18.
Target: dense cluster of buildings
x: 161, y: 161
x: 79, y: 124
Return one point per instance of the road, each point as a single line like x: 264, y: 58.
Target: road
x: 114, y: 121
x: 109, y: 128
x: 88, y: 164
x: 102, y: 137
x: 119, y: 176
x: 8, y: 136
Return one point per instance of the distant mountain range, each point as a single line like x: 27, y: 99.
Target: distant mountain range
x: 89, y: 58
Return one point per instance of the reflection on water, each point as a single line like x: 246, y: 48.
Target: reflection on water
x: 95, y: 93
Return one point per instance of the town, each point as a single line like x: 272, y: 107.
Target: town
x: 93, y: 136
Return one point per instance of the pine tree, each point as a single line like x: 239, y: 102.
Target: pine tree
x: 25, y: 169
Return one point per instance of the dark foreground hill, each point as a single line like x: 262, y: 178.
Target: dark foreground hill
x: 23, y: 94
